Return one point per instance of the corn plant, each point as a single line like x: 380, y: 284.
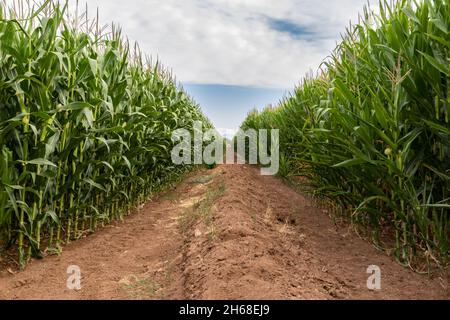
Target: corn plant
x: 85, y: 126
x: 372, y: 130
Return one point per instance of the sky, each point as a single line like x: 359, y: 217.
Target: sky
x: 233, y: 55
x: 228, y: 105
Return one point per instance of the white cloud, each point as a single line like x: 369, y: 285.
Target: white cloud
x: 231, y: 41
x: 227, y: 133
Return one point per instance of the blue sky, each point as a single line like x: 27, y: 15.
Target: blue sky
x: 228, y: 105
x: 233, y: 55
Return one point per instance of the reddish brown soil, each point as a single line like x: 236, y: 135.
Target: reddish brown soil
x: 227, y: 233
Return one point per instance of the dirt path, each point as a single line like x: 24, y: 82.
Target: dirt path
x: 226, y: 233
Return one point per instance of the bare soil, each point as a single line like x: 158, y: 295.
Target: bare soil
x: 226, y: 233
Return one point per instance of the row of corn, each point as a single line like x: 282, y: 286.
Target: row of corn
x: 372, y: 130
x: 85, y: 127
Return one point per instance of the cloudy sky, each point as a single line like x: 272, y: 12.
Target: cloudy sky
x: 233, y: 55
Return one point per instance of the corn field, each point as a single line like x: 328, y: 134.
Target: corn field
x: 372, y: 132
x: 85, y: 127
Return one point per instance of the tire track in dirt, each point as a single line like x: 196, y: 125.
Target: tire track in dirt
x: 226, y: 233
x: 138, y: 258
x: 273, y: 243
